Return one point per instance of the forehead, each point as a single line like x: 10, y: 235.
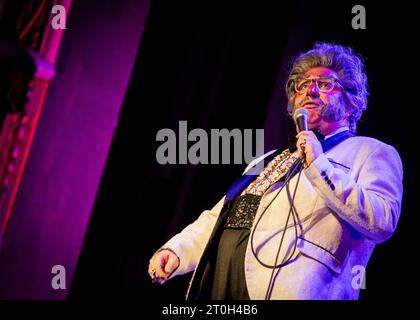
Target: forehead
x: 320, y: 72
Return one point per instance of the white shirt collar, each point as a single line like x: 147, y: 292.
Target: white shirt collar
x: 337, y: 131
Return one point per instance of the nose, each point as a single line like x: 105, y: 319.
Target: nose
x: 313, y: 90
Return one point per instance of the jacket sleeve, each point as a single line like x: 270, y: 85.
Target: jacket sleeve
x: 189, y: 244
x: 370, y: 199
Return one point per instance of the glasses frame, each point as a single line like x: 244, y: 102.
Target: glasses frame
x: 312, y: 80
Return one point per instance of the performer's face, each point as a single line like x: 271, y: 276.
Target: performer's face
x: 323, y: 99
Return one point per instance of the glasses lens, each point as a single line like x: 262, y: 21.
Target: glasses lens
x: 325, y: 85
x: 303, y: 85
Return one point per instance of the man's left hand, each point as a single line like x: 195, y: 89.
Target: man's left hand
x: 308, y: 146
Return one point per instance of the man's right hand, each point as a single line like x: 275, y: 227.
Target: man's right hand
x: 163, y: 263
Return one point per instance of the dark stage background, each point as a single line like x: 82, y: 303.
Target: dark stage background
x: 223, y: 66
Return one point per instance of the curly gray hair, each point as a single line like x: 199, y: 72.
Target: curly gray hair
x: 350, y: 71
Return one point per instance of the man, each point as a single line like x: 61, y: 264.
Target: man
x: 293, y: 232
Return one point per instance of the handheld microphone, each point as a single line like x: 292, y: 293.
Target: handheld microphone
x: 301, y: 117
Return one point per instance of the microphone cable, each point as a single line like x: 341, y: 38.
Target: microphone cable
x: 295, y: 217
x: 296, y: 166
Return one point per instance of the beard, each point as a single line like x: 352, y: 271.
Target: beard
x: 335, y: 110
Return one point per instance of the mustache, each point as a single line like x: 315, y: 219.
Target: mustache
x: 318, y: 103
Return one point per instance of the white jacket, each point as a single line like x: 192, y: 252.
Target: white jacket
x: 347, y: 201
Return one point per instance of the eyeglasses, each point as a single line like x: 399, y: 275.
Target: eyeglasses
x: 325, y: 84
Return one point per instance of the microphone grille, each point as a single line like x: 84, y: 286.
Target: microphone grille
x: 300, y: 112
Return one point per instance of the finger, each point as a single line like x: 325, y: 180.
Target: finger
x: 160, y: 272
x: 301, y: 141
x: 162, y: 264
x: 155, y: 277
x: 172, y: 264
x: 155, y: 269
x: 152, y: 274
x: 159, y: 280
x: 303, y: 133
x: 308, y: 134
x: 300, y: 151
